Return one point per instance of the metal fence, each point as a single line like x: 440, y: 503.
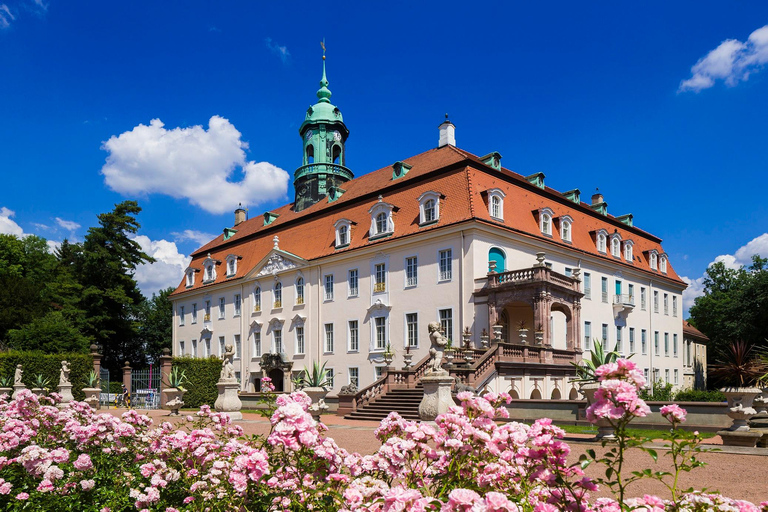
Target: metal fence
x: 104, y: 397
x: 145, y: 388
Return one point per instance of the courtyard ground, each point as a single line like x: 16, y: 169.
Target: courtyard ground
x: 734, y: 472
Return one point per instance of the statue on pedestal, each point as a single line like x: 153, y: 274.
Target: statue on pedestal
x: 64, y: 374
x: 18, y: 375
x: 227, y: 368
x: 439, y: 342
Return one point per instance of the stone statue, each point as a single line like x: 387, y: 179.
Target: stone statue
x: 227, y: 368
x: 64, y: 374
x: 436, y: 351
x: 17, y: 377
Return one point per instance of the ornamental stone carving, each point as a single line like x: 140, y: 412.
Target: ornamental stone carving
x: 276, y: 263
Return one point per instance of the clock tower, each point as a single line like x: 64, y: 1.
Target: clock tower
x: 323, y: 134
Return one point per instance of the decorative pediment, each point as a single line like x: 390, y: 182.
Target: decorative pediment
x: 299, y: 320
x: 378, y: 306
x: 277, y: 262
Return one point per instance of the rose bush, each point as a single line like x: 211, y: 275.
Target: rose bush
x: 69, y: 458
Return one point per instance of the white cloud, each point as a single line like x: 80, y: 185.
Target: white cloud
x: 732, y: 62
x: 69, y: 225
x: 6, y: 17
x: 742, y: 257
x: 7, y: 225
x: 166, y: 271
x: 192, y: 163
x: 193, y: 235
x: 280, y: 51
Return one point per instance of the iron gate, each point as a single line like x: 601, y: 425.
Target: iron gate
x: 145, y: 388
x: 104, y: 398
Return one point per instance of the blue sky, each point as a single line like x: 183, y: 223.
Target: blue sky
x: 660, y: 105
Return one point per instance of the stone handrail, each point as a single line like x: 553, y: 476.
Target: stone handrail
x: 530, y: 275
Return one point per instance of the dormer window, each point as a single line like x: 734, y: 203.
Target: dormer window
x: 653, y: 259
x: 232, y: 264
x: 628, y: 250
x: 381, y: 219
x: 429, y: 207
x: 566, y: 223
x: 209, y: 269
x: 601, y: 240
x: 545, y: 221
x: 616, y: 245
x: 496, y: 203
x: 663, y: 263
x: 343, y: 234
x: 190, y: 275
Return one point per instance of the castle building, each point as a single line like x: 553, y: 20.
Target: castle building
x: 354, y: 269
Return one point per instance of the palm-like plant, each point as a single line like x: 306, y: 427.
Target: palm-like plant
x: 177, y: 379
x: 585, y: 370
x: 92, y: 379
x: 6, y: 382
x: 42, y: 382
x: 739, y: 365
x: 317, y: 377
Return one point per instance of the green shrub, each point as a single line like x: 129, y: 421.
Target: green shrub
x: 116, y: 387
x: 49, y: 366
x: 202, y: 376
x: 696, y: 395
x: 661, y: 393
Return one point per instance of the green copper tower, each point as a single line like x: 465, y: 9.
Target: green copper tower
x: 323, y: 134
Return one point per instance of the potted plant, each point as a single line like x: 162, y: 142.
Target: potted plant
x: 522, y: 330
x: 92, y: 391
x: 449, y: 353
x: 539, y: 334
x: 175, y: 391
x: 315, y: 384
x: 389, y: 355
x: 588, y: 384
x: 42, y: 385
x: 6, y: 385
x: 738, y: 368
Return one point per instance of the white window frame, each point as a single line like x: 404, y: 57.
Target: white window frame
x: 222, y: 308
x: 277, y: 340
x: 238, y: 302
x: 379, y: 277
x: 666, y: 344
x: 375, y: 345
x: 190, y: 273
x: 632, y: 340
x: 604, y: 289
x: 411, y: 281
x: 674, y: 305
x: 409, y: 331
x: 257, y: 344
x: 655, y: 301
x: 222, y: 344
x: 328, y: 338
x: 498, y: 195
x: 299, y: 290
x: 666, y: 304
x: 277, y: 295
x: 356, y: 379
x: 566, y: 228
x: 643, y: 298
x: 616, y: 245
x: 232, y: 264
x: 343, y: 240
x: 653, y: 259
x: 604, y: 335
x: 674, y: 345
x: 209, y: 269
x: 676, y: 376
x: 448, y: 333
x: 443, y: 275
x: 238, y: 348
x: 656, y: 344
x: 328, y: 287
x: 389, y: 224
x: 644, y: 342
x: 181, y: 348
x: 620, y: 339
x: 181, y: 316
x: 194, y: 313
x: 424, y: 200
x: 663, y: 263
x: 587, y: 335
x: 350, y: 341
x: 299, y: 339
x: 257, y: 299
x: 207, y: 347
x: 353, y: 274
x: 629, y: 250
x: 601, y: 241
x: 545, y: 221
x: 588, y: 285
x: 194, y: 348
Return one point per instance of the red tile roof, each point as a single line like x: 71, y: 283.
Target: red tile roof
x: 460, y: 177
x: 689, y: 330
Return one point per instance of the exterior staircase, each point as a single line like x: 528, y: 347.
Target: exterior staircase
x: 403, y: 401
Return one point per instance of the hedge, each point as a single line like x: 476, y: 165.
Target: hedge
x: 49, y: 365
x: 202, y: 376
x: 695, y: 395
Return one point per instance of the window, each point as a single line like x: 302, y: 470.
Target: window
x: 381, y: 332
x: 496, y: 203
x: 653, y: 259
x: 194, y: 348
x: 209, y: 269
x: 655, y: 302
x: 352, y: 283
x: 330, y: 377
x: 628, y: 250
x: 381, y: 219
x: 353, y: 336
x: 194, y: 313
x: 231, y: 267
x: 674, y: 305
x: 221, y: 345
x: 343, y: 227
x: 587, y: 285
x: 257, y: 344
x: 190, y: 278
x: 604, y: 288
x: 642, y: 298
x: 277, y: 296
x: 677, y: 378
x: 237, y: 346
x: 631, y: 340
x: 545, y: 221
x: 674, y: 345
x: 687, y: 345
x: 663, y: 263
x: 300, y: 290
x: 604, y: 336
x: 445, y: 265
x: 646, y: 374
x: 616, y: 246
x: 238, y: 304
x: 429, y: 207
x: 207, y: 347
x: 380, y: 278
x: 411, y: 272
x: 181, y: 348
x: 378, y: 372
x: 299, y: 339
x: 222, y: 306
x: 329, y: 287
x: 207, y: 317
x: 343, y: 236
x: 565, y: 228
x: 412, y: 328
x: 381, y: 223
x: 666, y: 304
x: 666, y: 344
x: 328, y: 338
x: 619, y: 340
x: 602, y: 238
x: 587, y: 335
x: 354, y: 377
x: 446, y: 322
x: 666, y: 375
x: 568, y: 272
x: 656, y: 349
x: 631, y: 292
x: 277, y: 338
x: 257, y: 300
x: 643, y: 341
x: 181, y: 316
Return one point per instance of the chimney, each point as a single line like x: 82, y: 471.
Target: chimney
x: 239, y: 214
x: 597, y: 198
x: 447, y: 133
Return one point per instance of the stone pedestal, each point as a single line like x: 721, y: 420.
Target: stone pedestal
x: 6, y: 391
x: 604, y: 428
x: 228, y: 401
x: 739, y: 438
x: 437, y: 395
x: 174, y: 400
x: 16, y: 389
x: 317, y: 395
x: 92, y: 397
x: 65, y: 391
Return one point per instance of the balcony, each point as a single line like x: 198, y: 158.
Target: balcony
x: 623, y: 303
x: 530, y: 276
x: 379, y: 287
x: 257, y: 308
x: 207, y: 318
x: 328, y: 168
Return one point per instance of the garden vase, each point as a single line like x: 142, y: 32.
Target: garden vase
x: 407, y: 360
x: 6, y: 391
x: 604, y: 428
x: 175, y: 400
x: 448, y: 355
x: 760, y: 404
x: 38, y: 391
x: 523, y: 335
x: 317, y: 395
x: 92, y: 397
x: 740, y: 410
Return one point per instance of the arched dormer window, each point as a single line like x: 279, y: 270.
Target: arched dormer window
x: 601, y: 241
x: 616, y: 245
x: 209, y: 269
x: 663, y: 263
x: 566, y: 224
x: 429, y: 207
x: 496, y: 203
x: 277, y: 295
x: 343, y: 232
x: 629, y: 250
x: 232, y: 264
x: 190, y: 275
x: 545, y: 221
x: 382, y: 223
x: 653, y: 259
x: 300, y: 290
x: 257, y: 299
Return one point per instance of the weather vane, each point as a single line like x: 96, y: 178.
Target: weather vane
x: 322, y: 43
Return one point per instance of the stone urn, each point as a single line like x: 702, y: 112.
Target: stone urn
x: 39, y: 391
x: 469, y: 356
x: 448, y: 355
x: 93, y: 397
x: 317, y: 395
x: 538, y: 336
x: 740, y: 410
x: 604, y: 428
x: 175, y: 400
x: 760, y: 404
x: 7, y: 391
x: 497, y: 333
x: 407, y: 360
x: 388, y: 358
x: 523, y: 335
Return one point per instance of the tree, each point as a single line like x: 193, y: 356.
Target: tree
x: 52, y: 334
x: 155, y: 324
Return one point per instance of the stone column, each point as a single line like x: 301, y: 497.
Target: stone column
x: 96, y: 359
x: 127, y: 376
x: 166, y: 364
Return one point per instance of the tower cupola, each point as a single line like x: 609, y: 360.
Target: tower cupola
x: 324, y: 135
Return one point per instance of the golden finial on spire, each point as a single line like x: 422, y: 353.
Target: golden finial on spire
x: 322, y: 43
